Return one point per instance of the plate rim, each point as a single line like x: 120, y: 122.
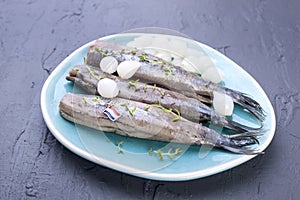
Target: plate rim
x: 146, y: 174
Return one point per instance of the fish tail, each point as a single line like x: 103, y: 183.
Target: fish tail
x: 239, y: 143
x: 232, y: 125
x: 238, y: 127
x: 251, y: 105
x: 236, y: 143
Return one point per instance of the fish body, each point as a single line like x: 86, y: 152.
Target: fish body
x: 148, y: 122
x: 165, y: 74
x: 191, y: 109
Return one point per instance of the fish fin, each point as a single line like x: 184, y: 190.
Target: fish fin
x: 235, y: 126
x: 238, y: 143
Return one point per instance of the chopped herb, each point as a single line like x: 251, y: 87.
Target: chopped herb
x: 92, y: 72
x: 98, y: 49
x: 154, y: 86
x: 122, y: 51
x: 177, y: 151
x: 154, y: 60
x: 160, y: 154
x: 172, y: 58
x: 133, y: 84
x: 170, y: 153
x: 95, y: 73
x: 156, y: 105
x: 167, y: 110
x: 162, y: 108
x: 177, y: 111
x: 131, y: 112
x: 146, y: 108
x: 84, y: 60
x: 142, y: 58
x: 175, y: 119
x: 75, y: 69
x: 163, y: 63
x: 79, y: 104
x: 150, y: 151
x: 119, y: 146
x: 162, y: 93
x: 95, y: 99
x: 145, y: 87
x: 133, y: 52
x: 168, y: 71
x: 119, y: 143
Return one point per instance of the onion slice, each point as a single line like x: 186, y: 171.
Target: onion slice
x: 127, y: 69
x: 213, y: 74
x: 223, y: 104
x: 107, y: 88
x: 202, y: 63
x: 109, y: 64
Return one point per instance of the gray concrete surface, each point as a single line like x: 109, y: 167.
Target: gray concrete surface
x: 263, y: 36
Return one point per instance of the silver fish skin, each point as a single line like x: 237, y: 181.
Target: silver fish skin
x: 156, y: 70
x: 87, y: 77
x: 152, y: 123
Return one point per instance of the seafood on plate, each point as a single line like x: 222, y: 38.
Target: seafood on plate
x: 158, y: 71
x: 191, y: 109
x: 140, y: 120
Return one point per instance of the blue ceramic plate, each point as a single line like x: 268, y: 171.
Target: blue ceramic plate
x: 99, y: 147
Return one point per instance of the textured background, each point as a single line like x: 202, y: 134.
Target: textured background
x: 261, y: 36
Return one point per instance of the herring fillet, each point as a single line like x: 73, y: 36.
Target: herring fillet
x: 156, y: 70
x: 153, y: 123
x: 87, y: 77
